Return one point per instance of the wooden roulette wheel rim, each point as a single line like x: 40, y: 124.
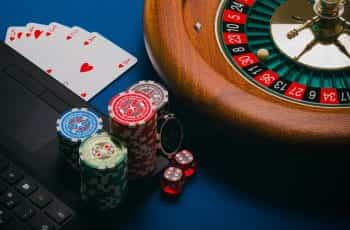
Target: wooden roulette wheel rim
x: 192, y: 64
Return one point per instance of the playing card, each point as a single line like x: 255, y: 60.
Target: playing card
x: 35, y: 34
x: 96, y: 62
x: 15, y: 38
x: 84, y: 62
x: 14, y: 33
x: 35, y: 31
x: 64, y: 48
x: 41, y: 49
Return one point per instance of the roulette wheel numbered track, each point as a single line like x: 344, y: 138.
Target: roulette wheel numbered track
x: 182, y: 44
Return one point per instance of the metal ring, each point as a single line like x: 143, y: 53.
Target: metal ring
x: 164, y: 133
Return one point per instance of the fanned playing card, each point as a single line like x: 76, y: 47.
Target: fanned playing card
x: 95, y: 63
x: 84, y: 62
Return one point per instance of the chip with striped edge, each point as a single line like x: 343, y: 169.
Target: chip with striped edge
x: 134, y: 119
x: 73, y: 127
x: 156, y: 92
x: 78, y: 124
x: 102, y: 151
x: 103, y: 163
x: 131, y: 109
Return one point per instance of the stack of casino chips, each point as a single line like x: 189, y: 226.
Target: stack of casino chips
x: 73, y: 127
x: 103, y: 171
x: 134, y: 119
x: 169, y: 128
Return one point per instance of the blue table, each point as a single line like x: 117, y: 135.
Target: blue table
x: 209, y: 200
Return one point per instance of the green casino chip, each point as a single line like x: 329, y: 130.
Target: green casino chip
x: 103, y: 169
x: 101, y: 151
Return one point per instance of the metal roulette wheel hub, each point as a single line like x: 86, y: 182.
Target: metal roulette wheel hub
x: 320, y: 41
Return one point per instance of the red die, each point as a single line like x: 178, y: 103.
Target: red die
x: 172, y: 181
x: 185, y: 161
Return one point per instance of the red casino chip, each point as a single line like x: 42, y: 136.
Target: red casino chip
x: 131, y: 109
x: 134, y: 119
x: 141, y: 170
x: 150, y: 145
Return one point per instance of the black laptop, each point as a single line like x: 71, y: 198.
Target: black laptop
x: 38, y: 190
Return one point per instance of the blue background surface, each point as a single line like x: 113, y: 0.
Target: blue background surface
x: 209, y: 200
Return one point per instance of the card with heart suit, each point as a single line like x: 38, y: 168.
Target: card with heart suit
x: 15, y: 37
x: 84, y: 62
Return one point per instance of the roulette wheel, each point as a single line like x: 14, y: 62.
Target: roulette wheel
x: 280, y: 68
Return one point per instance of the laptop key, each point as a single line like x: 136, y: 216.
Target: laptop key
x: 3, y: 187
x: 4, y: 217
x: 15, y: 225
x: 26, y: 187
x: 12, y: 175
x: 58, y: 212
x: 3, y: 164
x: 10, y: 199
x: 41, y: 198
x: 41, y: 222
x: 24, y: 211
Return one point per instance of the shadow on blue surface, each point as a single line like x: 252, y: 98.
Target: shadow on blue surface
x: 295, y: 179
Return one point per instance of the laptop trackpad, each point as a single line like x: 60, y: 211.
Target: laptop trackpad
x: 24, y: 118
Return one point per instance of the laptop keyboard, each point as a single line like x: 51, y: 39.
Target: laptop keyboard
x: 26, y: 205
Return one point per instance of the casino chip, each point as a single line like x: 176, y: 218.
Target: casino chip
x: 131, y: 109
x: 134, y: 119
x: 103, y: 171
x: 73, y: 127
x: 157, y: 93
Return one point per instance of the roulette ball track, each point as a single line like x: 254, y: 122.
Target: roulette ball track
x: 279, y: 68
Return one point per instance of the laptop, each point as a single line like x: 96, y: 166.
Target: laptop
x: 38, y: 190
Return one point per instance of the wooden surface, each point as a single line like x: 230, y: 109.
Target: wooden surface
x: 194, y: 67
